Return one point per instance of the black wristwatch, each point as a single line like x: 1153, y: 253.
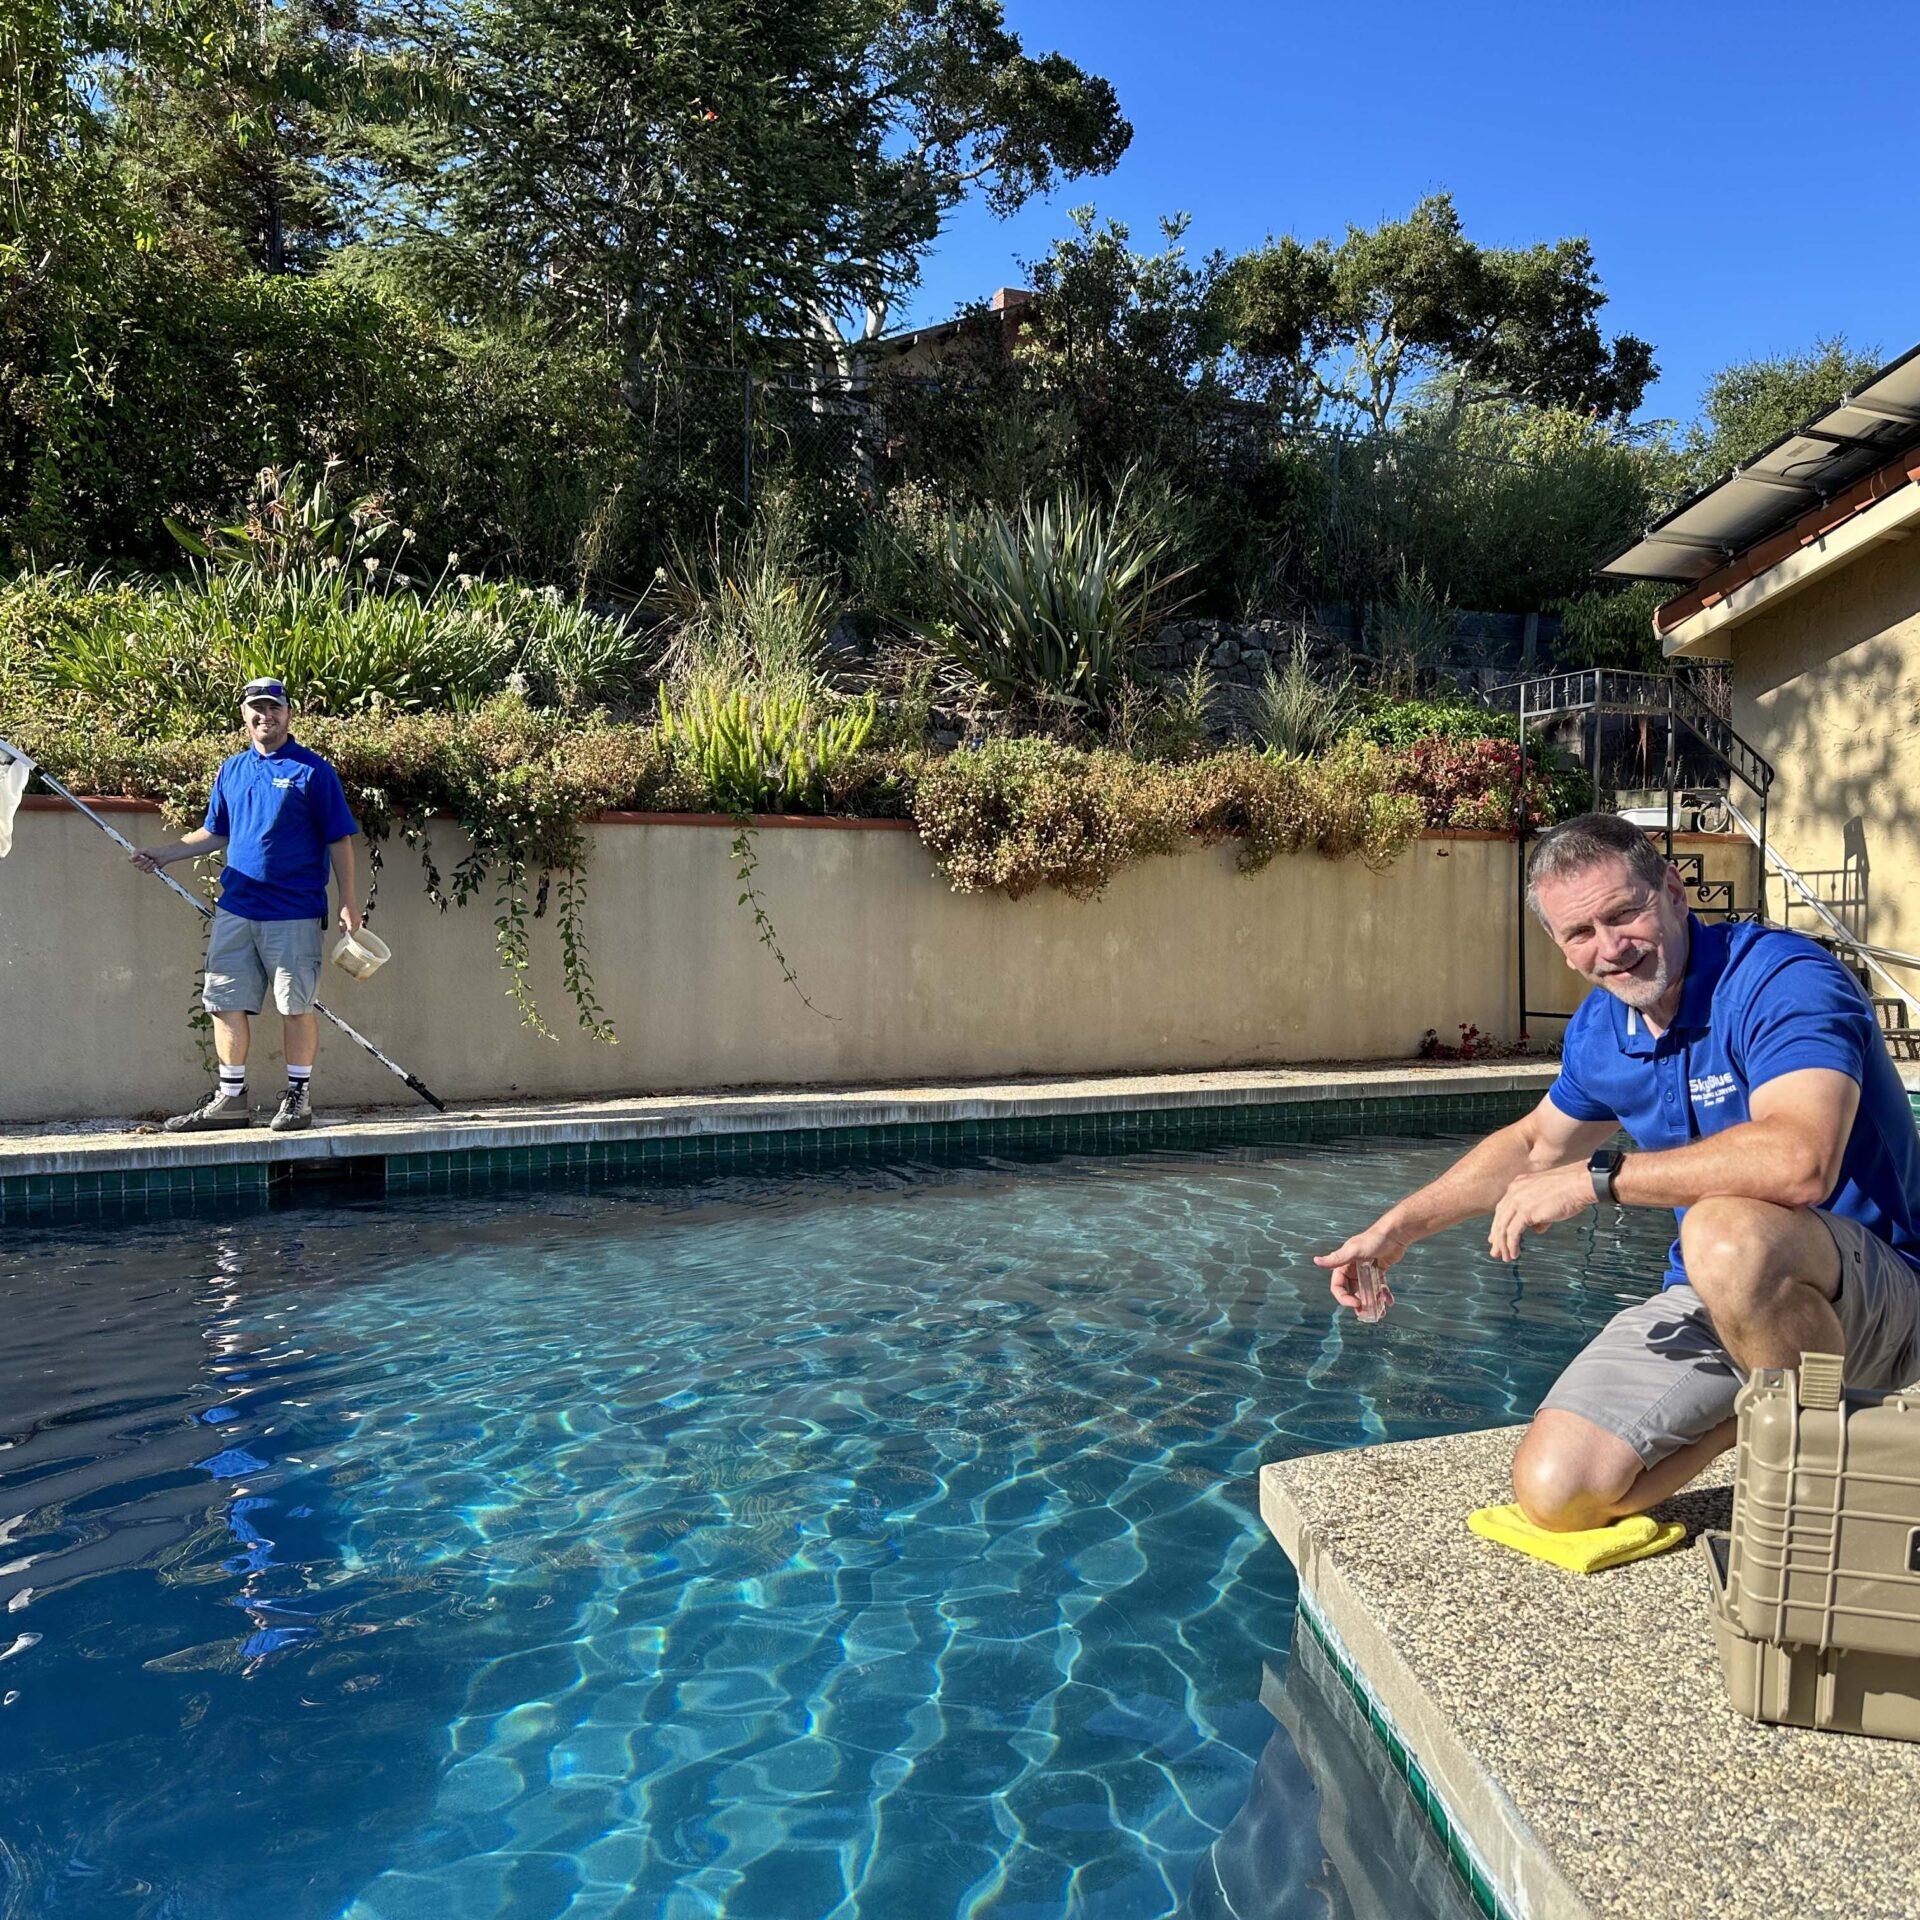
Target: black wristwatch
x: 1603, y: 1168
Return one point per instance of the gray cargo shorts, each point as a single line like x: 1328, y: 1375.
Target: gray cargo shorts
x: 245, y: 956
x: 1657, y: 1376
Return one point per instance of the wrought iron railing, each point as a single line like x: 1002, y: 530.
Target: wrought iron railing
x: 1590, y: 696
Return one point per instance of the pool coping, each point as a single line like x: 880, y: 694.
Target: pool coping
x: 78, y: 1173
x: 1571, y: 1739
x: 114, y: 1148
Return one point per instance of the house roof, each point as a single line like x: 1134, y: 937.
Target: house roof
x: 1879, y: 506
x: 1005, y: 304
x: 1803, y: 477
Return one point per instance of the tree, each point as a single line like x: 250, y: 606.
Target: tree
x: 699, y: 179
x: 247, y: 146
x: 54, y: 58
x: 1128, y: 343
x: 1750, y: 405
x: 1362, y: 327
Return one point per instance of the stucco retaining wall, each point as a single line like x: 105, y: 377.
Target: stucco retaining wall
x: 1183, y: 964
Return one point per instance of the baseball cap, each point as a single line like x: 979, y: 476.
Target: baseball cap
x: 263, y: 690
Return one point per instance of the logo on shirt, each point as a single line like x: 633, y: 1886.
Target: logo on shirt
x: 1713, y: 1089
x: 284, y: 780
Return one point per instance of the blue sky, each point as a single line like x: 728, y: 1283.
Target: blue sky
x: 1746, y: 173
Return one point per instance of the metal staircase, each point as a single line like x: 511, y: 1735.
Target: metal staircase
x: 1896, y: 1008
x: 1707, y: 771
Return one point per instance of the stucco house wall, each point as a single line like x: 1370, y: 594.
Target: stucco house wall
x: 1826, y: 684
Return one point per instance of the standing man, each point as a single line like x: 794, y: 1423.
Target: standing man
x: 281, y: 814
x: 1747, y: 1067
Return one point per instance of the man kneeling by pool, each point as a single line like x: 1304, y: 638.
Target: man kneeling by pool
x: 1748, y: 1069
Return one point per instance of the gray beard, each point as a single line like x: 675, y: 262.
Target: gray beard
x: 1642, y: 994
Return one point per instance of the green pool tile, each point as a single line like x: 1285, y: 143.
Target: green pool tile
x: 491, y: 1169
x: 1483, y: 1894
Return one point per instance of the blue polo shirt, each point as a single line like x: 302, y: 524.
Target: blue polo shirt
x: 279, y: 812
x: 1756, y: 1003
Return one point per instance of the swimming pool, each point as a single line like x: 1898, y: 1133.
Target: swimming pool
x: 877, y: 1544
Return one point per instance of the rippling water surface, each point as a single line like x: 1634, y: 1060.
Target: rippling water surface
x: 878, y: 1545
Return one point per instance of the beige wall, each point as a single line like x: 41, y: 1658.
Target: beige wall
x: 1184, y: 963
x: 1826, y: 684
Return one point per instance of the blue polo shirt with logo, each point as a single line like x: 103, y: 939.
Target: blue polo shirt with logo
x: 1756, y: 1003
x: 279, y: 812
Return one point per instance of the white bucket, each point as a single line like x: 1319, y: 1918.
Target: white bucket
x: 362, y: 954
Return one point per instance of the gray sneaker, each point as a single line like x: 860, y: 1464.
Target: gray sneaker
x: 295, y: 1114
x: 214, y: 1114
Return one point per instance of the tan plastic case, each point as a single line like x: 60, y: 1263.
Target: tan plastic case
x: 1816, y: 1591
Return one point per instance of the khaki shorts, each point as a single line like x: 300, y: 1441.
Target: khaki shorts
x: 1657, y: 1376
x: 244, y: 956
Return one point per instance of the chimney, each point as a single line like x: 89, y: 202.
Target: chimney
x: 1006, y: 299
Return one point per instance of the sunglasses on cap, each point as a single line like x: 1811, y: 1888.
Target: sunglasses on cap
x: 257, y: 690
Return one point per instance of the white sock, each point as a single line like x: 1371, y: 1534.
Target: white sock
x: 233, y: 1082
x: 298, y: 1077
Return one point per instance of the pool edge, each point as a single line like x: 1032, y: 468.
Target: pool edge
x: 125, y: 1175
x: 1502, y: 1861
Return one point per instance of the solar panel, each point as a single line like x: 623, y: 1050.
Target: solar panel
x: 1800, y: 470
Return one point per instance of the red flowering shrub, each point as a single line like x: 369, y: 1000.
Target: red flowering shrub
x: 1470, y: 783
x: 1474, y: 1045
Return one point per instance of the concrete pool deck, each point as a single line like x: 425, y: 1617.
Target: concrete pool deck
x: 1576, y: 1729
x: 116, y: 1146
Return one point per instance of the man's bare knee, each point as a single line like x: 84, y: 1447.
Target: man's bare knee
x: 1766, y: 1276
x: 1569, y: 1474
x: 1730, y: 1249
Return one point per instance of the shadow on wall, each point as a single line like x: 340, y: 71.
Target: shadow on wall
x: 1827, y: 686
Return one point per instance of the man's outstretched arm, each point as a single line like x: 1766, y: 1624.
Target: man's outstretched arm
x: 1543, y: 1139
x: 190, y: 846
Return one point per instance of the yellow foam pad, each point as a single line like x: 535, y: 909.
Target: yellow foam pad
x: 1637, y: 1537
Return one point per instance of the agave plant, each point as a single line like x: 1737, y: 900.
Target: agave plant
x: 1051, y: 603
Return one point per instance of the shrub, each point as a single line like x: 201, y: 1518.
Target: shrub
x: 1470, y: 784
x: 1510, y: 506
x: 1387, y: 722
x: 1050, y: 604
x: 162, y: 657
x: 1013, y: 815
x: 749, y: 609
x: 1410, y: 633
x: 142, y: 387
x: 1171, y: 720
x: 1612, y: 628
x: 1339, y: 807
x: 138, y: 385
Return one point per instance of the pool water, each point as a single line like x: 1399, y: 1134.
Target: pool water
x: 879, y: 1545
